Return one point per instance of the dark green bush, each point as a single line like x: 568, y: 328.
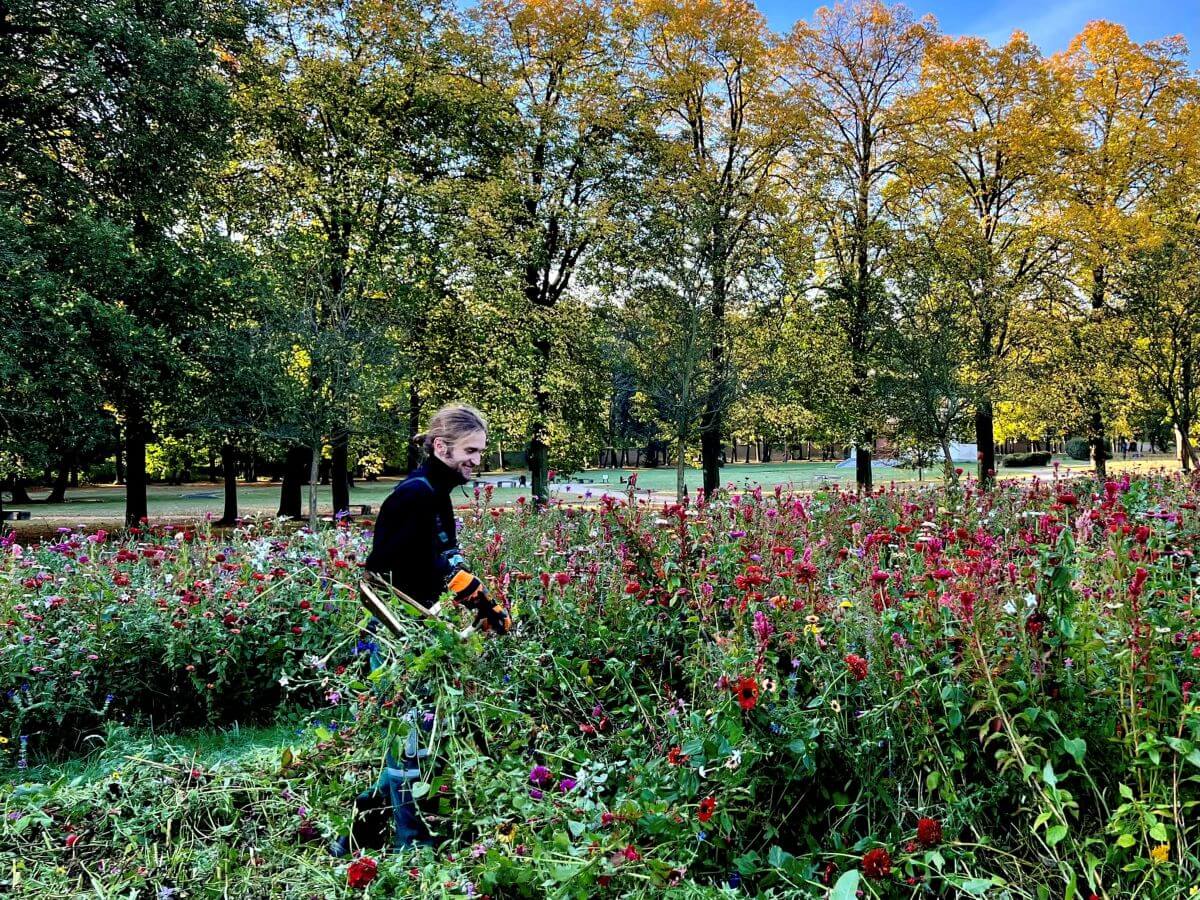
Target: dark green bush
x: 1016, y: 460
x: 1077, y: 448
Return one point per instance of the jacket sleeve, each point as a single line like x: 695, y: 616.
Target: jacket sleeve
x: 403, y: 532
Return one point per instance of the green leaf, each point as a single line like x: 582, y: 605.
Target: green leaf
x: 1159, y: 832
x: 1048, y: 775
x: 932, y: 780
x: 1194, y: 758
x: 1126, y: 840
x: 778, y: 857
x: 1077, y: 747
x: 846, y: 887
x: 419, y: 790
x: 1055, y: 833
x: 977, y: 887
x: 576, y: 828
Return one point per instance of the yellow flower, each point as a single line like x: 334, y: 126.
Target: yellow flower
x: 3, y: 740
x: 1161, y: 853
x: 506, y: 832
x: 846, y: 604
x: 812, y: 629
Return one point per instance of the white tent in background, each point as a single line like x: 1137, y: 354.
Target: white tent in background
x: 968, y: 453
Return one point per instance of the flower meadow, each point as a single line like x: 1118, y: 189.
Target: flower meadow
x: 932, y: 692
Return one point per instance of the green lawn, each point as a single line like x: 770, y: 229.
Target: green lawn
x: 94, y: 505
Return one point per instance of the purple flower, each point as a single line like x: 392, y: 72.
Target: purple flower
x: 540, y: 776
x: 567, y: 784
x: 535, y: 793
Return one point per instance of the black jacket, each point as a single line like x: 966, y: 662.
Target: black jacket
x: 414, y: 530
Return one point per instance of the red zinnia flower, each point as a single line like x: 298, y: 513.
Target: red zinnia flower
x: 857, y: 666
x: 676, y: 756
x: 929, y: 831
x: 877, y: 863
x: 361, y: 872
x: 747, y: 693
x: 707, y: 807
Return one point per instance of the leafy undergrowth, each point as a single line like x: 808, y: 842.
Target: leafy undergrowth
x: 938, y: 693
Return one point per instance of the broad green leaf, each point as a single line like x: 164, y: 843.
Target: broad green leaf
x: 846, y: 887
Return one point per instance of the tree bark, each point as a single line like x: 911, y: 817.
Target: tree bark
x: 313, y: 468
x: 295, y: 463
x: 58, y: 493
x: 339, y: 475
x: 413, y: 456
x: 539, y: 451
x: 136, y: 433
x: 229, y: 466
x: 985, y: 441
x: 1095, y: 411
x: 19, y: 493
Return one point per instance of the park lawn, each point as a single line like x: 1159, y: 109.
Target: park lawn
x: 97, y: 505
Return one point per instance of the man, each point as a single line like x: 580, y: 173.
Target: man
x: 415, y: 549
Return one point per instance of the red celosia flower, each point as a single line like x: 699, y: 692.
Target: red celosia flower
x: 361, y: 872
x: 707, y: 807
x: 929, y: 831
x: 1068, y: 499
x: 857, y: 666
x: 747, y: 693
x: 676, y: 756
x: 877, y: 863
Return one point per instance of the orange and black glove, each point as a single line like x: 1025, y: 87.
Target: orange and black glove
x: 470, y: 592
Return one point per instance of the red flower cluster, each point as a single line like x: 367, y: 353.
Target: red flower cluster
x: 877, y: 863
x: 707, y: 807
x: 929, y: 831
x: 361, y: 872
x: 857, y: 666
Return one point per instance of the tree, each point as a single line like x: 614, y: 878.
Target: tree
x: 1123, y: 110
x: 720, y: 121
x: 860, y: 61
x: 564, y: 66
x: 353, y: 112
x: 975, y: 179
x: 114, y: 110
x: 1161, y: 289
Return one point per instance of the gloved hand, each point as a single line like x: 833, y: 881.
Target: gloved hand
x: 469, y: 591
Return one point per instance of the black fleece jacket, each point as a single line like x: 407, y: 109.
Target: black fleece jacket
x: 414, y: 529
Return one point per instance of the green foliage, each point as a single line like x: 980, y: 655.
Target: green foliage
x: 1078, y: 448
x: 846, y: 716
x: 1017, y: 460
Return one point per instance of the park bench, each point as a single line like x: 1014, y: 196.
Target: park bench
x: 497, y: 482
x: 14, y: 515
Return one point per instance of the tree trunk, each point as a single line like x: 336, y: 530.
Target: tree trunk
x: 58, y: 493
x: 539, y: 452
x: 412, y: 458
x: 295, y: 463
x: 1095, y: 410
x: 680, y: 483
x: 948, y: 461
x: 313, y: 472
x: 339, y: 475
x: 862, y: 461
x: 20, y: 494
x: 985, y: 441
x: 136, y: 432
x: 229, y: 466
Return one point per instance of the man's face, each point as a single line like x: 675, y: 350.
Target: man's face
x: 464, y: 457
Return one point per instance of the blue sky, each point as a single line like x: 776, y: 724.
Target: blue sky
x: 1050, y: 23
